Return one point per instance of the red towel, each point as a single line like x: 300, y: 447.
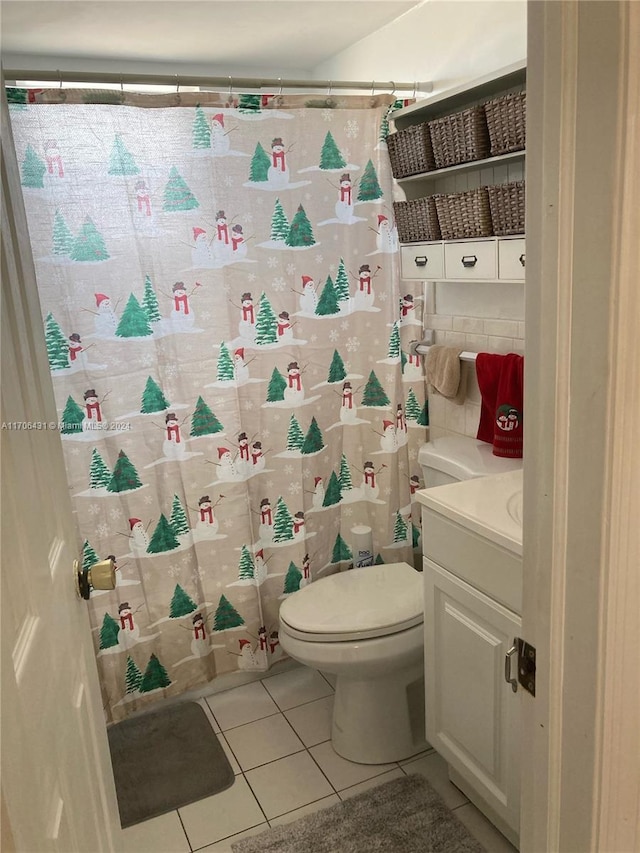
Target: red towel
x: 500, y: 378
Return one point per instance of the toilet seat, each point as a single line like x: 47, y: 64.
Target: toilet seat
x: 356, y: 605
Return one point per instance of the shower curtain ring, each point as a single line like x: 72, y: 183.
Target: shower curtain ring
x: 121, y: 84
x: 393, y: 88
x: 415, y: 87
x: 372, y: 87
x: 330, y: 88
x: 60, y: 77
x: 230, y: 87
x: 177, y: 83
x: 280, y: 82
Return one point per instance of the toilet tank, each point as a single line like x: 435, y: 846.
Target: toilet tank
x: 458, y: 457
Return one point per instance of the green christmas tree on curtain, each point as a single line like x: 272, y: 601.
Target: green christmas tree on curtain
x: 62, y: 237
x: 337, y: 371
x: 378, y: 561
x: 295, y: 436
x: 328, y: 302
x: 89, y: 245
x: 423, y: 419
x: 399, y: 528
x: 341, y: 550
x: 250, y: 104
x: 346, y: 483
x: 313, y: 441
x: 150, y: 301
x: 275, y: 389
x: 17, y: 98
x: 292, y: 579
x: 412, y: 406
x: 163, y: 538
x: 203, y: 421
x: 178, y: 521
x: 342, y: 282
x: 369, y: 189
x: 394, y: 341
x: 109, y: 632
x: 201, y: 130
x: 246, y: 567
x: 333, y: 493
x: 124, y: 477
x: 266, y: 322
x: 260, y: 162
x: 153, y: 400
x: 72, y: 417
x: 134, y: 322
x: 226, y: 616
x: 155, y: 676
x: 99, y: 474
x: 226, y: 372
x: 415, y: 536
x: 177, y: 195
x: 384, y: 127
x: 279, y: 223
x: 133, y: 676
x: 300, y: 232
x: 89, y: 556
x: 181, y: 603
x: 330, y: 156
x: 374, y: 394
x: 33, y: 170
x: 121, y: 161
x: 282, y: 523
x: 57, y: 345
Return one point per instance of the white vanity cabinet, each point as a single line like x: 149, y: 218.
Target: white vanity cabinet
x: 472, y: 596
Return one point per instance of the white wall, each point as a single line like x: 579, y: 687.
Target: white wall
x: 444, y: 41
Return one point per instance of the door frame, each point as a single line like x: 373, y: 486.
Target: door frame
x: 581, y: 779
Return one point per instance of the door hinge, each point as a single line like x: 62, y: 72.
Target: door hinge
x: 526, y: 665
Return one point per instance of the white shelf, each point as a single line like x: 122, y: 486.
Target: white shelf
x: 512, y: 157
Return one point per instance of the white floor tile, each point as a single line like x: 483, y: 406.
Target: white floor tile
x: 312, y: 721
x: 262, y: 741
x: 483, y: 830
x: 371, y: 783
x: 342, y: 773
x: 296, y: 687
x: 241, y: 705
x: 288, y: 784
x: 324, y: 803
x: 162, y: 834
x: 221, y: 815
x: 224, y: 846
x: 214, y: 723
x: 434, y: 768
x: 427, y: 750
x: 227, y: 751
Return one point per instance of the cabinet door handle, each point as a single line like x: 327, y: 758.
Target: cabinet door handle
x: 507, y: 669
x: 421, y: 261
x: 521, y: 259
x: 469, y: 261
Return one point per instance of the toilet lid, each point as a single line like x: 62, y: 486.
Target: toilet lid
x: 366, y: 602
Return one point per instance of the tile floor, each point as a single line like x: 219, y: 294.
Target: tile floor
x: 276, y: 733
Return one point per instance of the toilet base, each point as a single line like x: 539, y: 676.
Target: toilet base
x: 379, y: 721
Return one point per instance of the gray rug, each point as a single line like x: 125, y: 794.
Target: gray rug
x: 402, y: 816
x: 164, y: 760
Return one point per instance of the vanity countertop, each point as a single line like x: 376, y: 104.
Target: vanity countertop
x: 489, y: 506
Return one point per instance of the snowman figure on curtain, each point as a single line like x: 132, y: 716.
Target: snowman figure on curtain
x: 364, y: 296
x: 106, y: 321
x: 207, y: 524
x: 139, y: 538
x: 278, y: 171
x: 294, y: 392
x: 344, y: 205
x: 309, y: 295
x: 265, y: 530
x: 247, y: 324
x: 318, y: 493
x: 348, y: 409
x: 93, y: 411
x: 173, y: 446
x: 200, y: 253
x: 129, y: 631
x: 220, y: 142
x: 238, y: 245
x: 386, y: 236
x: 199, y: 645
x: 228, y: 470
x: 181, y: 313
x: 240, y: 369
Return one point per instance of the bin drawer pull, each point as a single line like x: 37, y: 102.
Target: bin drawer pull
x: 421, y: 260
x: 521, y: 259
x: 469, y: 261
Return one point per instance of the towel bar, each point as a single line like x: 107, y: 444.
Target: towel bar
x: 423, y: 349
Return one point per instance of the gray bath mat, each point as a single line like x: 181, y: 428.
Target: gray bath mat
x: 164, y: 760
x: 402, y: 816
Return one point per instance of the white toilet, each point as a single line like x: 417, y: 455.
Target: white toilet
x: 365, y: 626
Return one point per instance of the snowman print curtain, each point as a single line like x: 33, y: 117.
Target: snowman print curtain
x: 230, y: 347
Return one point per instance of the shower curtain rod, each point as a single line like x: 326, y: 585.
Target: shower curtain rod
x: 237, y: 83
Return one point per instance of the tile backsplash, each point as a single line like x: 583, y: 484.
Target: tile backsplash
x: 476, y: 334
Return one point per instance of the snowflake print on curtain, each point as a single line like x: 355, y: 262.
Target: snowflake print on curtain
x: 230, y: 347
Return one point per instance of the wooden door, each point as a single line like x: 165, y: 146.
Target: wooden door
x: 58, y: 792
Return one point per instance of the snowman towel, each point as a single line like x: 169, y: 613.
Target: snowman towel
x: 445, y: 373
x: 500, y: 379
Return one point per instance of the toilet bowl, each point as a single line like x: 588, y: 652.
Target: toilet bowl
x: 365, y: 626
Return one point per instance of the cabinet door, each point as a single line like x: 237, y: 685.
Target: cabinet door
x: 474, y: 259
x: 422, y: 261
x: 472, y: 714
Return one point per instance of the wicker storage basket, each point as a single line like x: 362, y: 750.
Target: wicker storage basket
x: 464, y: 214
x: 416, y: 220
x: 506, y: 121
x: 410, y: 151
x: 460, y: 137
x: 507, y: 208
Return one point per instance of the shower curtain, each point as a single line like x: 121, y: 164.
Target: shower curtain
x: 230, y: 347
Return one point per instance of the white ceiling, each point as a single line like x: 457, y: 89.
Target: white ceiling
x: 283, y: 34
